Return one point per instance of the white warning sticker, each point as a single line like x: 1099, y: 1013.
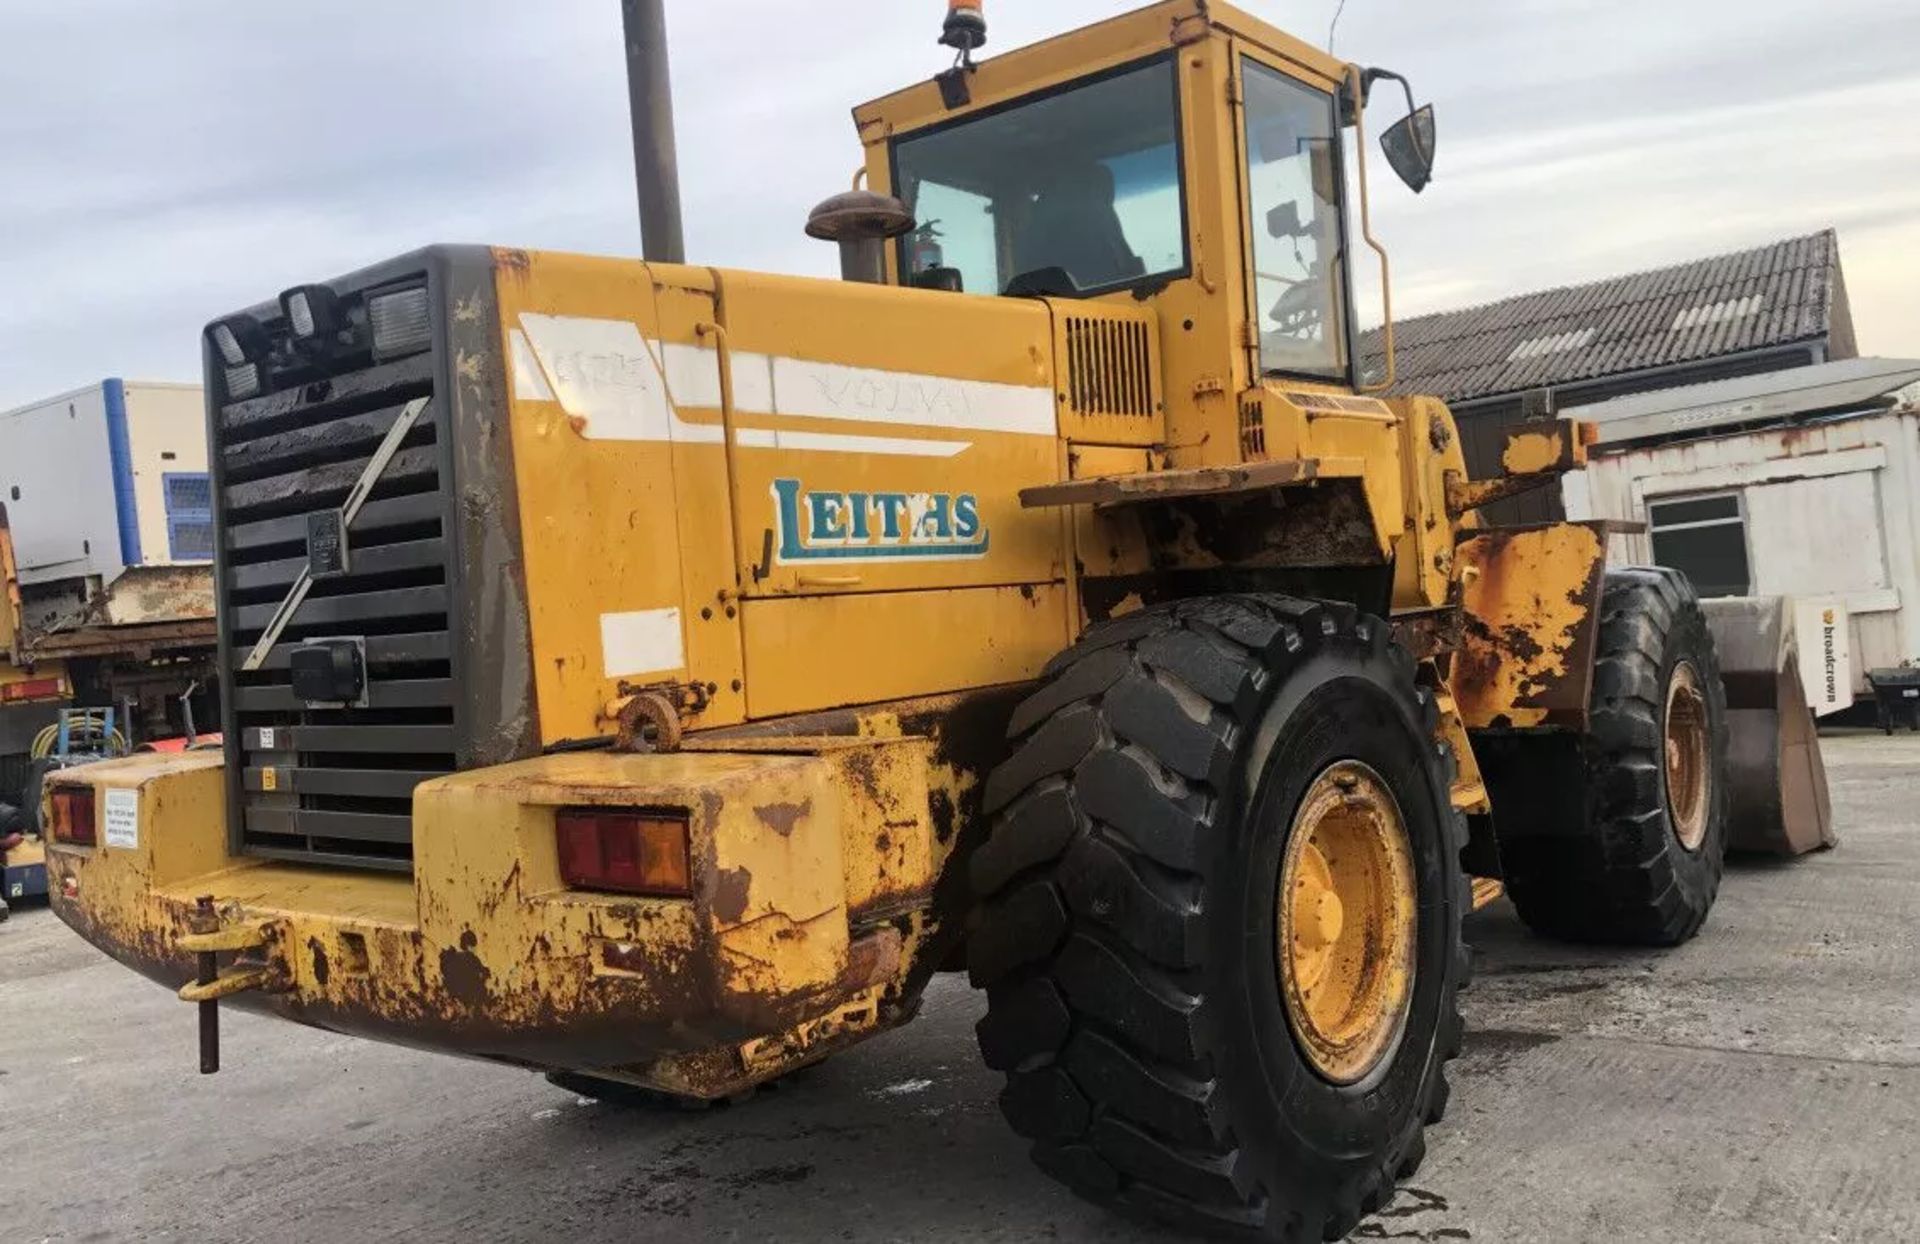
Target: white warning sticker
x: 123, y: 819
x: 266, y: 738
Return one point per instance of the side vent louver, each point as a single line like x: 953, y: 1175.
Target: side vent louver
x: 1253, y: 430
x: 1109, y: 368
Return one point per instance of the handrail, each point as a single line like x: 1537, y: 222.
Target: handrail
x: 723, y: 355
x: 1366, y: 231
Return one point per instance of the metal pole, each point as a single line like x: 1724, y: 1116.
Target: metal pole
x: 656, y: 164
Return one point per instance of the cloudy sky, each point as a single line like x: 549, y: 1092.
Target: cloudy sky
x: 164, y: 161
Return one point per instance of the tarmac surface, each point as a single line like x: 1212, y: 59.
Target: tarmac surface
x: 1760, y: 1084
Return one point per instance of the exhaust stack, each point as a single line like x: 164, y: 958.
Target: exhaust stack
x: 656, y: 162
x: 862, y: 222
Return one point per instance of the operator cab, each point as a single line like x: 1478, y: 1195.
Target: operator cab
x: 1047, y: 173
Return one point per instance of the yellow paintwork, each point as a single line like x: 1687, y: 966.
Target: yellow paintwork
x: 1429, y: 451
x: 30, y: 851
x: 1469, y: 794
x: 802, y: 855
x: 664, y: 421
x: 1529, y: 598
x: 593, y: 512
x: 1347, y: 922
x: 1532, y: 450
x: 888, y: 647
x: 1209, y: 366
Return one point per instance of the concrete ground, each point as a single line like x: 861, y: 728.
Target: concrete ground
x: 1761, y: 1084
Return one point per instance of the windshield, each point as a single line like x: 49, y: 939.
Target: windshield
x: 1076, y: 192
x: 1293, y: 184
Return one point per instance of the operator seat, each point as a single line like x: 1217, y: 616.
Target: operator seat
x: 1073, y: 225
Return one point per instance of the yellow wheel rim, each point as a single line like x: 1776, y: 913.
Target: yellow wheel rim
x: 1348, y: 923
x: 1687, y: 764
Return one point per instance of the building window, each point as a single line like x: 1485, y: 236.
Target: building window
x: 189, y: 517
x: 1706, y: 539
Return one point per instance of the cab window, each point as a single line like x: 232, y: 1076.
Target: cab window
x: 1299, y: 237
x: 1073, y: 192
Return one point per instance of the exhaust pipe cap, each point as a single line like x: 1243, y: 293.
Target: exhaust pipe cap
x: 859, y: 215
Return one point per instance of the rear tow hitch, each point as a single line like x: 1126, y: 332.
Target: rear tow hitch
x: 208, y: 938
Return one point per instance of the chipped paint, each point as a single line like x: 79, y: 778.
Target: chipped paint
x: 1530, y: 598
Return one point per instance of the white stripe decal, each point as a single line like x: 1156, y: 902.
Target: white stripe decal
x: 830, y: 443
x: 647, y: 642
x: 623, y: 386
x: 529, y: 383
x: 834, y: 391
x: 604, y: 373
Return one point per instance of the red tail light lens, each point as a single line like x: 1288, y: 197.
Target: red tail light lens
x: 33, y: 689
x: 73, y: 815
x: 642, y: 853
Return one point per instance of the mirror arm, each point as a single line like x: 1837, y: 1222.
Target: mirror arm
x: 1358, y: 86
x: 1369, y: 76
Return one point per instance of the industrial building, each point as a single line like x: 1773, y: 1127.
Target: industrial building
x: 1801, y: 483
x: 106, y: 569
x: 1767, y: 309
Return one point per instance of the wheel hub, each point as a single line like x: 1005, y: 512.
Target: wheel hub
x: 1687, y: 765
x: 1347, y: 926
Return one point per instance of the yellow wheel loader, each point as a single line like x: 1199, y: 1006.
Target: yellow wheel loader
x: 652, y: 674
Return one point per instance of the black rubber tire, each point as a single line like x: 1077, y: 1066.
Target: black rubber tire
x: 30, y: 797
x: 1622, y: 876
x: 1125, y: 927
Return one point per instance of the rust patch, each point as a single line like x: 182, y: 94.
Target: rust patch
x: 782, y: 817
x: 320, y: 969
x: 862, y: 770
x: 465, y: 976
x: 946, y: 817
x: 1531, y: 598
x: 730, y: 888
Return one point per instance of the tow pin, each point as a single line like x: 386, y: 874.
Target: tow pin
x: 207, y: 920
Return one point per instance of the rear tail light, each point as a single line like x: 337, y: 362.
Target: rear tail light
x: 72, y: 815
x: 33, y: 689
x: 642, y: 853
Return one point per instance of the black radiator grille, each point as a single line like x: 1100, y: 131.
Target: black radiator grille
x: 335, y: 784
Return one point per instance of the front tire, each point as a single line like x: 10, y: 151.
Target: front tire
x: 1130, y: 918
x: 1648, y: 805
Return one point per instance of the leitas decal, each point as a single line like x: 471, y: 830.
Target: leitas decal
x: 876, y: 526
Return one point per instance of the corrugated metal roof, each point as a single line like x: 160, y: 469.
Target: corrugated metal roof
x: 1848, y: 385
x: 1769, y: 296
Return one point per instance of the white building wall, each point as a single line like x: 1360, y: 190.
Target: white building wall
x: 167, y: 433
x: 1831, y: 509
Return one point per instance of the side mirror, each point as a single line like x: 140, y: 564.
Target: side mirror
x: 1284, y: 221
x: 1408, y: 144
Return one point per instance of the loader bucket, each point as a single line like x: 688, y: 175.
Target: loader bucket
x: 1778, y: 798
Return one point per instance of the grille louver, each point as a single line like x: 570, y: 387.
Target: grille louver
x: 328, y: 784
x: 1109, y: 368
